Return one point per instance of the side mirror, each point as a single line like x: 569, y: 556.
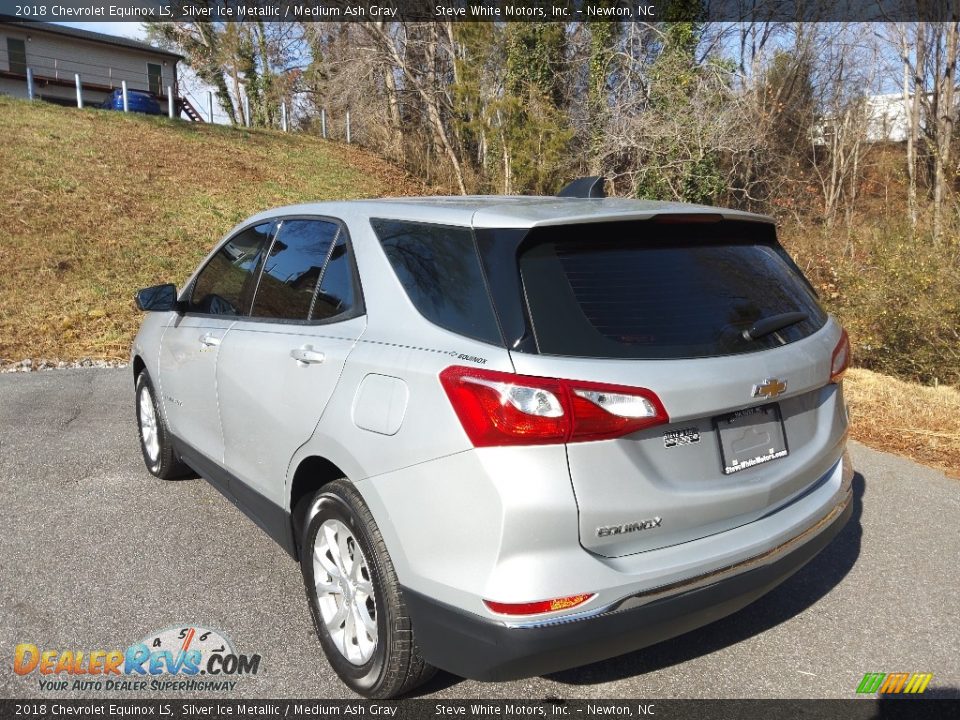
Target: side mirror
x: 159, y: 298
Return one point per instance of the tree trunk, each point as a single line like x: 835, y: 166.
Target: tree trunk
x: 944, y: 121
x: 911, y: 107
x: 426, y: 88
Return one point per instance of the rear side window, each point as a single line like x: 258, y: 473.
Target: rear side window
x: 336, y: 293
x: 644, y: 290
x: 225, y: 284
x: 293, y: 268
x: 439, y: 268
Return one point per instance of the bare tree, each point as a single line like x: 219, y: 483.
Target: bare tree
x: 422, y: 53
x: 929, y: 54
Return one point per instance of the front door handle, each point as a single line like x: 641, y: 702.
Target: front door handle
x: 307, y: 355
x: 209, y: 340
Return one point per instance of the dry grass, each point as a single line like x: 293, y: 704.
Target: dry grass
x: 918, y: 421
x: 97, y: 204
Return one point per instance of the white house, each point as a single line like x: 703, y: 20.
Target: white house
x: 55, y: 54
x: 884, y: 118
x: 887, y: 118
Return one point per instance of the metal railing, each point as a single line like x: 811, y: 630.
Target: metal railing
x: 78, y: 82
x: 42, y: 69
x: 60, y: 69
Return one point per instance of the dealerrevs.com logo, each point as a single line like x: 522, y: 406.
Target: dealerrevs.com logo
x: 181, y: 657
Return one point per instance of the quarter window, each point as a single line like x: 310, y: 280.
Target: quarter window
x: 293, y: 269
x: 225, y: 284
x: 440, y: 271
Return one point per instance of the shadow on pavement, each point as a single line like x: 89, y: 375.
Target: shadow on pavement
x: 805, y: 588
x: 801, y: 591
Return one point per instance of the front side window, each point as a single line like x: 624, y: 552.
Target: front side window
x: 440, y: 271
x: 225, y: 284
x: 294, y: 268
x: 17, y: 56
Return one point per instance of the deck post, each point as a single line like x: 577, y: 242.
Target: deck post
x: 79, y: 90
x: 126, y: 98
x: 30, y: 83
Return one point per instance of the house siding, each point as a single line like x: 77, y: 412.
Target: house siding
x: 55, y: 58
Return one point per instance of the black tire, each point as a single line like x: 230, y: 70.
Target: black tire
x: 395, y: 666
x: 163, y: 462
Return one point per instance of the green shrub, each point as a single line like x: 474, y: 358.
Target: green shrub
x: 898, y: 298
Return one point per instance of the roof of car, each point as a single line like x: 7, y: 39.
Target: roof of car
x: 514, y: 211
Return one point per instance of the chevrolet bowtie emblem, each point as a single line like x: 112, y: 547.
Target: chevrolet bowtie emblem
x: 770, y: 388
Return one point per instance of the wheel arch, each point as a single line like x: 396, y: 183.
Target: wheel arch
x: 138, y: 366
x: 312, y: 473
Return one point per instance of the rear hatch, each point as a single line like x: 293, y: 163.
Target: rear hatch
x: 753, y: 422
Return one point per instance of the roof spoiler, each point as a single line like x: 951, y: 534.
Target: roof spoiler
x: 585, y: 187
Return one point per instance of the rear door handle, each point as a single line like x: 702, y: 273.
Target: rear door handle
x: 307, y: 355
x: 209, y: 340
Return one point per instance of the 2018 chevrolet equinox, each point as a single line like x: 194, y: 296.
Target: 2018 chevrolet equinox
x: 505, y: 436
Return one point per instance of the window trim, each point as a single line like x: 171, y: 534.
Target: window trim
x: 359, y: 306
x: 322, y: 275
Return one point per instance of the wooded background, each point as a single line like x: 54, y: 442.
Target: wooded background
x: 771, y: 117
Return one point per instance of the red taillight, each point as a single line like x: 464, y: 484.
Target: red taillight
x: 840, y: 360
x: 498, y: 408
x: 537, y: 608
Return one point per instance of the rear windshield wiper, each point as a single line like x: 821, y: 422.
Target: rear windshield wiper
x: 767, y: 325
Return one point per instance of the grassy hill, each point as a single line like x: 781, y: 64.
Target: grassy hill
x: 99, y: 203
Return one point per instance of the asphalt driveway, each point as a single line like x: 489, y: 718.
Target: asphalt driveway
x: 96, y: 554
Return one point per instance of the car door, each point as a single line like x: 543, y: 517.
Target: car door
x: 190, y: 345
x: 278, y: 368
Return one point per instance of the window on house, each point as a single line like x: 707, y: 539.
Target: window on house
x: 17, y: 55
x: 155, y: 78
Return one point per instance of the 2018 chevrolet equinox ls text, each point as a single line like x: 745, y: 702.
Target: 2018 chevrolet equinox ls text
x: 505, y: 436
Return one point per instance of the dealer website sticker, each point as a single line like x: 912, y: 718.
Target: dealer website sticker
x: 178, y: 658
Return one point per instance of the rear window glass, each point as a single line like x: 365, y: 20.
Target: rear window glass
x: 685, y: 294
x: 440, y: 271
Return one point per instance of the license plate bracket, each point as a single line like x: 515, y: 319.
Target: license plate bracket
x: 750, y: 437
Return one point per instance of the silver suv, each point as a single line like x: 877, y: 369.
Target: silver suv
x: 504, y: 436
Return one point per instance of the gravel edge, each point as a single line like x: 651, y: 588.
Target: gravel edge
x: 31, y: 365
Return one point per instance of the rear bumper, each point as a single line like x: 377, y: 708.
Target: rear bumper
x: 472, y: 647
